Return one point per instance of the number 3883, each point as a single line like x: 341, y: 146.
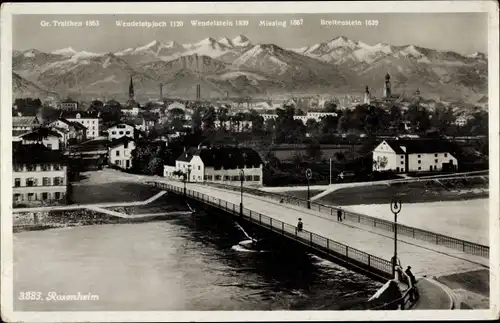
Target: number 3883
x: 30, y: 296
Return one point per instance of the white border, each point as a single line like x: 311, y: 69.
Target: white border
x: 490, y: 7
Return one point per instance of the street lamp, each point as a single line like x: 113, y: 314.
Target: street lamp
x: 308, y: 176
x: 242, y: 178
x: 395, y: 208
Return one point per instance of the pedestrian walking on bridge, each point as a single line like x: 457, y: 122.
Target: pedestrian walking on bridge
x: 339, y: 215
x: 300, y: 225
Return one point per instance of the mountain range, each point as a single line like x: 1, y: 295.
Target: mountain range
x: 238, y: 67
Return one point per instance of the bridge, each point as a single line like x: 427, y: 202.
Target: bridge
x: 361, y: 242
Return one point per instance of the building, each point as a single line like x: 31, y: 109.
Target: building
x: 71, y: 132
x: 39, y: 175
x: 69, y: 105
x: 91, y: 120
x: 45, y: 136
x: 218, y: 165
x: 461, y: 121
x: 317, y: 116
x: 120, y: 152
x: 414, y: 155
x: 233, y: 125
x: 120, y: 130
x: 24, y: 124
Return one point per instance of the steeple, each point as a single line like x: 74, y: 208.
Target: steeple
x: 387, y: 86
x: 131, y: 89
x: 367, y: 96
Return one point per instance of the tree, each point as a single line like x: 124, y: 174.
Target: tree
x: 330, y: 106
x: 343, y: 123
x: 96, y: 106
x: 314, y: 151
x: 209, y: 118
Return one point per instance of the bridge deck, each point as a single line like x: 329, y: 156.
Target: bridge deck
x: 426, y: 259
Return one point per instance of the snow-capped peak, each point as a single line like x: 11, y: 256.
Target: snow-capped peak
x: 226, y: 41
x: 154, y: 45
x: 69, y: 51
x: 342, y: 42
x: 206, y: 41
x: 411, y: 50
x: 240, y: 40
x: 477, y: 55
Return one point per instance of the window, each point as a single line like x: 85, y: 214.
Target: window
x: 205, y: 177
x: 256, y: 178
x: 397, y: 169
x: 57, y: 181
x: 17, y: 197
x: 235, y: 178
x: 45, y: 196
x: 418, y: 156
x: 118, y: 162
x: 402, y: 162
x: 445, y: 155
x: 45, y: 167
x: 18, y: 168
x: 128, y: 132
x: 121, y: 132
x: 217, y: 177
x: 419, y: 161
x: 435, y: 161
x: 46, y: 181
x: 31, y: 196
x: 420, y: 168
x: 125, y: 145
x: 113, y: 132
x: 117, y: 153
x: 57, y: 167
x: 209, y: 177
x: 402, y: 156
x: 30, y: 168
x: 226, y: 178
x: 17, y: 182
x: 199, y: 177
x: 57, y: 195
x: 248, y: 178
x: 30, y: 182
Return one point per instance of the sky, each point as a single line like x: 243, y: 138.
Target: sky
x: 464, y: 33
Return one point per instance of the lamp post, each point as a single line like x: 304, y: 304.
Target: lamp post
x: 242, y: 178
x: 308, y: 176
x: 395, y: 208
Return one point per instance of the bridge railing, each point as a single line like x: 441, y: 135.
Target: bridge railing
x: 354, y: 257
x: 421, y: 234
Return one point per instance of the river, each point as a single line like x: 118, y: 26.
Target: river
x: 182, y: 263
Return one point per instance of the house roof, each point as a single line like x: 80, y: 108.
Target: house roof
x: 83, y: 114
x: 24, y: 121
x: 415, y: 146
x: 35, y: 154
x: 226, y: 157
x: 120, y: 141
x: 76, y: 125
x: 40, y: 132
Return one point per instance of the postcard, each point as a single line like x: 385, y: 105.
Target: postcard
x: 252, y: 161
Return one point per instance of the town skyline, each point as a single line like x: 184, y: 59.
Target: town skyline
x: 456, y: 32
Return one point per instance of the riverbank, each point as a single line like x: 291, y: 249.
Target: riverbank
x: 471, y: 289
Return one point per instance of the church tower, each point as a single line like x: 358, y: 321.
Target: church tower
x: 367, y: 96
x: 131, y: 89
x: 387, y: 86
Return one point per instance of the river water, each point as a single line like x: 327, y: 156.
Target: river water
x: 181, y: 263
